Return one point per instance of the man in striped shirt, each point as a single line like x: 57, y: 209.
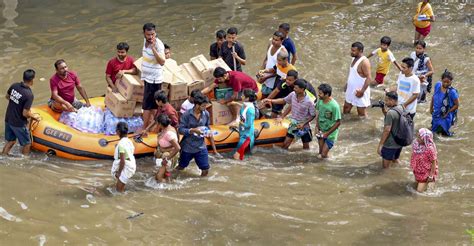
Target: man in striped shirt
x: 152, y: 71
x: 302, y: 113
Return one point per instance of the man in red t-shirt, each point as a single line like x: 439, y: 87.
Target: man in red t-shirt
x: 120, y: 65
x: 236, y: 80
x: 62, y: 85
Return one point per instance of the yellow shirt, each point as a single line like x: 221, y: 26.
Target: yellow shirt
x: 282, y: 71
x: 427, y: 10
x: 385, y: 59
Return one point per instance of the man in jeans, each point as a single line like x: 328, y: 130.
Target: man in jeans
x: 192, y: 126
x: 20, y: 98
x: 153, y: 54
x: 388, y: 148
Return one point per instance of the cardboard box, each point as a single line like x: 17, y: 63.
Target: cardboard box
x: 204, y: 67
x: 219, y: 63
x: 178, y: 91
x: 118, y: 105
x: 131, y: 87
x: 138, y: 109
x: 177, y: 104
x: 195, y: 85
x: 220, y: 114
x: 192, y: 72
x: 138, y: 64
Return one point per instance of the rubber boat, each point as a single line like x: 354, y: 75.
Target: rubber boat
x: 55, y: 138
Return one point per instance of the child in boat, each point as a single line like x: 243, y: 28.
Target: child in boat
x: 422, y: 20
x: 168, y: 148
x: 246, y: 126
x: 385, y: 58
x: 424, y: 161
x: 124, y: 165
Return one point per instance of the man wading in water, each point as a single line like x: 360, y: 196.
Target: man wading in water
x: 357, y: 86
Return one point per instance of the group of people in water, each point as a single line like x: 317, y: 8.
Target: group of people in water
x: 281, y: 85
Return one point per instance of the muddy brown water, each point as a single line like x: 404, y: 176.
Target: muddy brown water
x: 275, y: 197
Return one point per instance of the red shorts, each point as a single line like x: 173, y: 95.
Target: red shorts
x: 379, y: 78
x: 424, y: 31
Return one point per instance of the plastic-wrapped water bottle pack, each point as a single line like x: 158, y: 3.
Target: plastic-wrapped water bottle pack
x: 94, y: 120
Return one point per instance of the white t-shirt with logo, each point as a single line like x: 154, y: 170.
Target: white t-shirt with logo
x: 407, y: 86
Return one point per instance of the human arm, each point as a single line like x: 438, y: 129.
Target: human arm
x: 397, y: 65
x: 159, y: 54
x: 274, y: 93
x: 184, y: 129
x: 432, y: 105
x: 366, y: 73
x: 83, y: 93
x: 208, y: 89
x: 176, y: 148
x: 452, y: 109
x: 383, y: 139
x: 294, y: 58
x: 108, y: 78
x: 239, y: 55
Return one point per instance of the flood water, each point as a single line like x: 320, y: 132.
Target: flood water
x: 275, y: 197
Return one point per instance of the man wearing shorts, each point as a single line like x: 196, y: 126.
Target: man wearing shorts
x: 388, y: 148
x: 62, y: 85
x: 153, y: 54
x: 302, y: 113
x: 193, y: 146
x: 20, y: 98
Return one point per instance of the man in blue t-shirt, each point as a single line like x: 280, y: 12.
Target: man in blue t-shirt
x: 288, y: 42
x: 20, y: 98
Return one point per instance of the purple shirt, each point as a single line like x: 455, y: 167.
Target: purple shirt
x: 300, y: 110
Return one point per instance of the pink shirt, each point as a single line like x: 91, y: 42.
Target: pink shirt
x: 114, y: 66
x: 65, y: 87
x: 164, y: 140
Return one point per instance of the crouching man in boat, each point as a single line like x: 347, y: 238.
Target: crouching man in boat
x: 20, y: 98
x: 62, y: 85
x: 236, y: 80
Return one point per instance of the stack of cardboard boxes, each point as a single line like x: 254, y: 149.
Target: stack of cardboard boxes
x: 126, y: 102
x: 180, y: 80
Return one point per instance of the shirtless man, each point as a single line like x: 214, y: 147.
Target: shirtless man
x: 357, y: 86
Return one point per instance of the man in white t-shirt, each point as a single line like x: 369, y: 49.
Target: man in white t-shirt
x: 408, y: 87
x: 153, y: 54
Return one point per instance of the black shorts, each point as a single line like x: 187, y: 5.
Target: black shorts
x: 149, y: 96
x: 308, y: 137
x: 391, y: 154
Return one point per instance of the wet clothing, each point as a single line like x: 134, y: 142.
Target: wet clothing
x: 246, y: 126
x: 125, y: 146
x: 190, y: 142
x: 115, y: 65
x: 392, y: 119
x: 226, y: 54
x: 328, y: 115
x: 12, y: 133
x: 443, y: 102
x: 423, y: 155
x: 301, y: 109
x: 65, y: 86
x: 354, y: 83
x: 20, y: 98
x: 149, y: 102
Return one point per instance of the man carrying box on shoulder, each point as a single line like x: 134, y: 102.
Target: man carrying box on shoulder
x: 236, y: 80
x: 119, y: 65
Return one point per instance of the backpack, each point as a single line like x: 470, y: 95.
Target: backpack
x: 406, y: 128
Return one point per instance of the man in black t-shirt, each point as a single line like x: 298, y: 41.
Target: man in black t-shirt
x: 236, y: 59
x: 20, y: 98
x: 215, y: 48
x: 283, y: 88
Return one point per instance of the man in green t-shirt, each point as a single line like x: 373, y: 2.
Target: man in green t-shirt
x: 329, y: 120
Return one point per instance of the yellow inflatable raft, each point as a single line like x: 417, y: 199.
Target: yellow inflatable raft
x: 55, y: 138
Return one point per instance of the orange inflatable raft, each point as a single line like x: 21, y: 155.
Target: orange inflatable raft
x: 55, y: 138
